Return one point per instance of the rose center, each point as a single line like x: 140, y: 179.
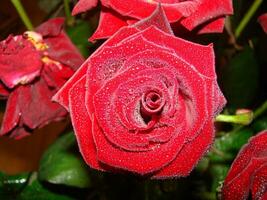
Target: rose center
x: 152, y: 103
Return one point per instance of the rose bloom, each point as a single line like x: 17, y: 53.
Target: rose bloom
x: 248, y: 173
x: 144, y: 101
x: 33, y: 66
x: 263, y: 22
x: 202, y: 16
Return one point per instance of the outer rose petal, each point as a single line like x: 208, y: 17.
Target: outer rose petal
x: 36, y: 98
x: 215, y: 26
x: 263, y: 21
x: 246, y: 168
x: 206, y: 11
x: 84, y: 5
x: 51, y: 28
x: 109, y: 23
x: 82, y: 124
x: 183, y: 165
x: 259, y: 184
x: 140, y: 9
x: 20, y: 63
x: 12, y: 114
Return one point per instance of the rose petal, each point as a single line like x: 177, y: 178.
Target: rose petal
x: 3, y: 91
x: 62, y: 50
x: 109, y: 23
x: 51, y: 28
x: 36, y: 98
x: 259, y: 184
x: 62, y: 95
x: 206, y: 11
x: 107, y: 63
x: 250, y: 158
x: 135, y: 8
x: 263, y: 22
x: 255, y: 146
x: 239, y: 187
x: 158, y: 19
x: 20, y: 62
x: 12, y: 114
x: 56, y: 74
x: 183, y: 163
x: 214, y: 26
x: 84, y: 5
x: 82, y: 124
x: 140, y: 162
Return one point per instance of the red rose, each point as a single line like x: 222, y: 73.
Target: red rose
x: 263, y: 21
x: 33, y: 66
x: 249, y: 171
x: 205, y: 16
x: 144, y: 101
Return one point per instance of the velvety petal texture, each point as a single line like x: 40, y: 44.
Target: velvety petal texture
x: 203, y: 16
x: 263, y: 22
x: 248, y: 173
x: 33, y: 66
x: 144, y: 101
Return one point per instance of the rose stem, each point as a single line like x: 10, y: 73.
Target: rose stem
x: 258, y: 112
x: 243, y: 119
x: 247, y: 17
x: 23, y: 15
x: 70, y: 18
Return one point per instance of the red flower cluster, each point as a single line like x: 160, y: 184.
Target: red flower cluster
x: 33, y: 66
x: 145, y: 101
x: 204, y: 15
x: 249, y: 171
x: 263, y: 21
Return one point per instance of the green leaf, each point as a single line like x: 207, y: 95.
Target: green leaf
x: 260, y: 124
x: 35, y: 190
x: 227, y: 146
x: 62, y: 164
x: 240, y: 79
x: 79, y: 34
x: 218, y: 173
x: 10, y: 185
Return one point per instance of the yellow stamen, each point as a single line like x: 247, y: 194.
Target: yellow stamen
x: 36, y: 39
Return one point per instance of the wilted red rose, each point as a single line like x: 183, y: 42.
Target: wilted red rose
x: 144, y: 101
x: 204, y: 16
x: 248, y: 173
x: 263, y: 21
x: 33, y: 66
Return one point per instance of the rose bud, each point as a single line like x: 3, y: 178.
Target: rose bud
x: 33, y: 66
x: 145, y: 101
x: 248, y: 173
x: 203, y: 16
x: 263, y: 22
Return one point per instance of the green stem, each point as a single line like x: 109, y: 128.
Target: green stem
x: 260, y: 110
x: 70, y: 18
x: 243, y: 119
x: 23, y: 15
x: 247, y: 17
